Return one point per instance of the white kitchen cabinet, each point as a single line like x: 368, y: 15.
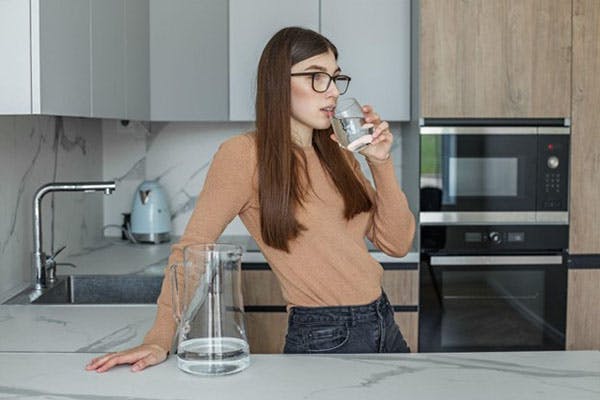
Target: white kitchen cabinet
x: 188, y: 60
x: 251, y: 24
x: 373, y: 39
x: 108, y: 58
x: 45, y: 47
x: 15, y: 68
x: 75, y: 58
x: 137, y: 60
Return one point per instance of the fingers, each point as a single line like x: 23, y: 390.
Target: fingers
x: 370, y: 115
x: 147, y: 361
x: 141, y: 357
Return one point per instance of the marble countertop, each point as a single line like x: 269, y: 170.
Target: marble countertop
x: 464, y: 376
x: 73, y: 328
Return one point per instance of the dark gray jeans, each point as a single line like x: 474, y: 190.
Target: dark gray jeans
x: 368, y: 328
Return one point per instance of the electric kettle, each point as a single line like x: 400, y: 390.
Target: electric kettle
x: 150, y: 214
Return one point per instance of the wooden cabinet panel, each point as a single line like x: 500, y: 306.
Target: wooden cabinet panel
x: 260, y: 288
x: 402, y: 286
x: 501, y: 58
x: 409, y: 326
x: 266, y: 331
x: 583, y: 303
x: 585, y: 139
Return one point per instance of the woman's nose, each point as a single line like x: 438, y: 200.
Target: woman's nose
x: 333, y: 90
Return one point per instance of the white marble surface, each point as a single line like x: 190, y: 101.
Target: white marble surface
x: 73, y: 328
x: 542, y: 375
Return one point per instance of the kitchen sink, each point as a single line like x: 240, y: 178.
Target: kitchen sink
x: 94, y: 289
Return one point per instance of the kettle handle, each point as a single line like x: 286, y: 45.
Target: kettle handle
x: 177, y: 312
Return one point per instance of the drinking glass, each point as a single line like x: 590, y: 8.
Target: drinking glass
x: 349, y: 125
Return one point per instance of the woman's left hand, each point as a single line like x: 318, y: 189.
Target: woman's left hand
x: 379, y: 149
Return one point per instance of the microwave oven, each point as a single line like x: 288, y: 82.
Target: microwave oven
x: 494, y: 171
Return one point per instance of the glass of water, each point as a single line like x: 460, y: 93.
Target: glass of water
x: 349, y: 125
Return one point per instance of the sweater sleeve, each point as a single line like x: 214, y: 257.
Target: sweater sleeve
x: 392, y: 225
x: 226, y: 193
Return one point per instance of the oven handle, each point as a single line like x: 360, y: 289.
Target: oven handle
x: 496, y: 260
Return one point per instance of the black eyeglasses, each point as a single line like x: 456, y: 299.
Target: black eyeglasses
x: 322, y: 80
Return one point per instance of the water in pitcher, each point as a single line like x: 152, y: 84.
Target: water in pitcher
x: 213, y: 356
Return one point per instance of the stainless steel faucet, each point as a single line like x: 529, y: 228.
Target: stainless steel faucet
x: 40, y: 260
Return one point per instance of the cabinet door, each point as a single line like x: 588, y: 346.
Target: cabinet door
x: 501, y: 58
x: 408, y: 322
x: 15, y: 69
x: 583, y: 303
x: 61, y: 57
x: 373, y: 41
x: 188, y: 60
x: 137, y: 59
x: 401, y: 287
x: 107, y: 58
x: 584, y: 227
x: 251, y: 25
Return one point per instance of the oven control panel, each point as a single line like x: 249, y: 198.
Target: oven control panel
x: 493, y: 238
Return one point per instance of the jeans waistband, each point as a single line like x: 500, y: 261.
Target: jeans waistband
x: 340, y: 313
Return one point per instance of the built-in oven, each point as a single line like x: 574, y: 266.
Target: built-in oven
x: 492, y: 288
x: 494, y: 171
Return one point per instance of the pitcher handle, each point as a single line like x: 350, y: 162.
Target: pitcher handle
x: 175, y: 293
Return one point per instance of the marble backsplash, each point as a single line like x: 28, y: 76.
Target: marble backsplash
x: 35, y: 150
x: 178, y: 155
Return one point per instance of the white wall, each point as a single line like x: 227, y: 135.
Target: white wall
x: 178, y: 154
x: 35, y: 150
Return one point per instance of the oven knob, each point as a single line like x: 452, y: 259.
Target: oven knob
x: 495, y: 237
x: 552, y: 162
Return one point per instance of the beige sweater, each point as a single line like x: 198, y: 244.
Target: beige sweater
x: 328, y: 264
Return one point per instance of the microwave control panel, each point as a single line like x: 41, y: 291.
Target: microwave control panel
x: 553, y: 172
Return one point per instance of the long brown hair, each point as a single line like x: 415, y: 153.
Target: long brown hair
x: 280, y: 189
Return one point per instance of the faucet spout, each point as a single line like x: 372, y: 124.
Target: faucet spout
x: 39, y: 258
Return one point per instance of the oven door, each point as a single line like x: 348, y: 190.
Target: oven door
x: 478, y: 172
x: 492, y: 303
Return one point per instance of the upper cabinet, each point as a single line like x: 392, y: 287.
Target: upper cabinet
x: 46, y: 45
x: 501, y: 58
x: 251, y: 25
x: 188, y: 60
x: 373, y: 39
x: 15, y: 68
x: 68, y: 57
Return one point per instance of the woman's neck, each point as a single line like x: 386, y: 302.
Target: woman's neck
x: 301, y: 135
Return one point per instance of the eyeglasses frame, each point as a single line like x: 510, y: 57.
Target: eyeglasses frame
x: 331, y: 79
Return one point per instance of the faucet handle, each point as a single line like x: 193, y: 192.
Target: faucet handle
x: 51, y: 264
x: 57, y: 252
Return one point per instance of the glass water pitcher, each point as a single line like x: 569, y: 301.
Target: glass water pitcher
x: 208, y: 308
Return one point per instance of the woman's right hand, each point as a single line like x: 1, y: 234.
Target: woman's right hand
x: 139, y: 357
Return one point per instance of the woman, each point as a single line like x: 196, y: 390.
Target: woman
x: 308, y: 206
